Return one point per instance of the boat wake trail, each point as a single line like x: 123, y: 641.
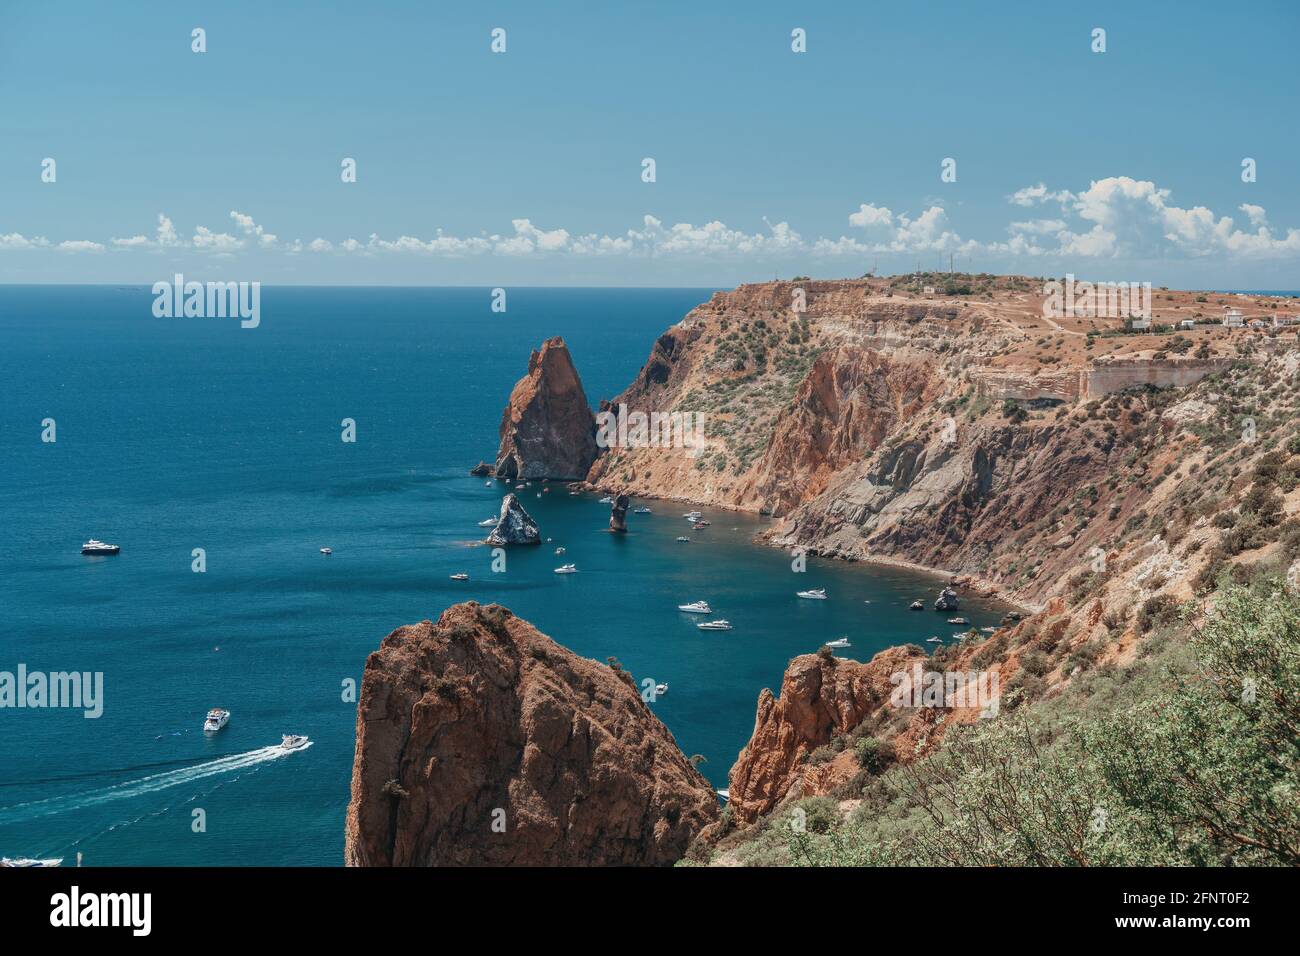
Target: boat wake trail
x: 150, y: 784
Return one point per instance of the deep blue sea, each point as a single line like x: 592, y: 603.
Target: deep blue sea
x: 177, y: 434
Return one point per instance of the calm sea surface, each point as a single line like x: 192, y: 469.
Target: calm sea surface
x: 177, y: 434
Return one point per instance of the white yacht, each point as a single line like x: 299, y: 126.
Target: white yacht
x: 26, y: 861
x: 327, y: 551
x: 292, y: 741
x: 839, y: 642
x: 460, y: 576
x: 958, y: 620
x: 816, y: 594
x: 683, y: 538
x: 217, y: 718
x: 934, y: 640
x: 692, y: 516
x: 567, y: 569
x: 487, y: 522
x: 723, y: 795
x: 696, y: 607
x: 661, y: 689
x: 95, y: 546
x: 643, y: 511
x: 718, y: 625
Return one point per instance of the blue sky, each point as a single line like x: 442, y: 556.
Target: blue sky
x: 525, y: 167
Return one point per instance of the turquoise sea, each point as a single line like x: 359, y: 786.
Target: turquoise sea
x: 177, y: 434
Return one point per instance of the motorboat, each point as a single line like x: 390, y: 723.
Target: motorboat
x: 692, y: 516
x: 661, y: 689
x: 917, y: 606
x: 696, y: 607
x: 327, y: 551
x: 27, y: 861
x: 934, y: 640
x: 559, y: 550
x: 816, y: 594
x: 607, y: 500
x: 958, y: 620
x: 642, y: 511
x: 292, y: 742
x: 723, y: 795
x: 683, y: 538
x: 460, y: 576
x: 839, y: 642
x: 567, y: 569
x: 718, y: 625
x: 699, y: 525
x: 217, y: 718
x: 95, y: 546
x: 488, y: 522
x: 989, y: 630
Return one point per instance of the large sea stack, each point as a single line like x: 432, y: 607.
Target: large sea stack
x: 480, y: 741
x: 547, y: 429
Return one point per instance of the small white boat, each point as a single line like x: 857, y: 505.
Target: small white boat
x: 487, y: 484
x: 696, y: 607
x: 217, y: 718
x: 95, y: 546
x: 607, y: 500
x: 642, y: 511
x: 559, y: 550
x: 487, y: 522
x: 567, y: 569
x: 958, y: 620
x: 816, y: 594
x: 989, y: 630
x: 839, y: 642
x: 27, y: 861
x: 916, y: 606
x: 692, y: 516
x: 326, y: 551
x: 723, y: 795
x: 292, y: 742
x: 460, y: 576
x: 683, y: 538
x: 661, y: 689
x: 718, y: 625
x: 960, y: 635
x: 700, y: 523
x: 934, y: 640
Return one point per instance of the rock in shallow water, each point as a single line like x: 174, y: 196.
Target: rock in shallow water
x: 515, y: 526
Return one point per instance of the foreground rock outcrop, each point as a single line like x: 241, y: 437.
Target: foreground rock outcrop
x: 480, y: 741
x: 515, y: 525
x: 547, y: 429
x: 821, y: 697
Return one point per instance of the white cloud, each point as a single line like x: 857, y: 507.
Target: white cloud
x: 250, y: 228
x: 1114, y: 217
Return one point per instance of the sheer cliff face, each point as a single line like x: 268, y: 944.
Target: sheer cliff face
x: 547, y: 429
x: 876, y: 426
x: 480, y: 741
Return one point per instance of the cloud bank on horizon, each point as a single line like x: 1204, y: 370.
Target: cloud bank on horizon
x: 1115, y: 217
